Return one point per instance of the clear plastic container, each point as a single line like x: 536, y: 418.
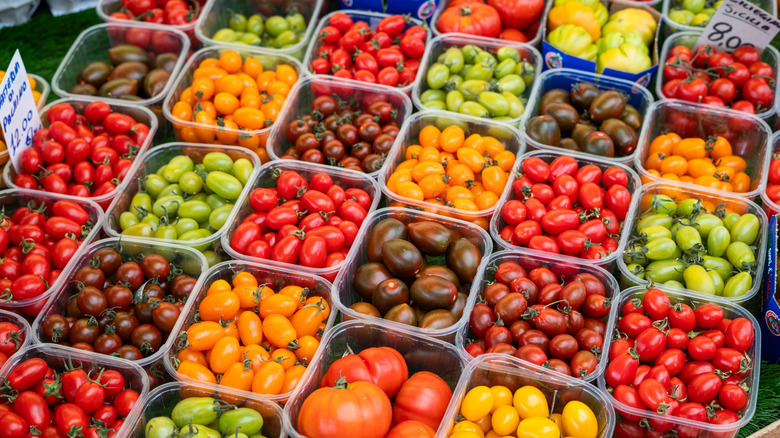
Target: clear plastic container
x: 498, y: 369
x: 770, y: 207
x: 408, y: 136
x: 139, y: 113
x: 770, y: 55
x: 421, y: 353
x: 60, y: 359
x: 638, y: 96
x: 372, y: 18
x: 161, y: 401
x: 105, y: 8
x: 441, y: 43
x: 187, y: 260
x: 749, y: 136
x: 739, y: 205
x: 24, y: 326
x: 13, y: 199
x: 93, y: 45
x: 217, y: 13
x: 345, y: 295
x: 16, y: 12
x: 159, y: 156
x: 273, y: 277
x: 298, y: 104
x: 266, y: 179
x: 769, y: 6
x: 186, y: 130
x: 565, y: 271
x: 497, y: 223
x: 704, y: 429
x: 535, y: 41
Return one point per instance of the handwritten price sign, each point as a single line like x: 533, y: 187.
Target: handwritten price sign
x: 737, y: 23
x: 19, y: 117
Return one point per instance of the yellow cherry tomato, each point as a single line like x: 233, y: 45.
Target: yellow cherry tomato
x: 579, y: 420
x: 468, y: 426
x: 505, y: 420
x: 538, y: 427
x: 502, y: 396
x: 477, y: 403
x: 530, y: 402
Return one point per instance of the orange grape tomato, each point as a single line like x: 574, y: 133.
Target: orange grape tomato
x: 202, y: 336
x: 413, y: 151
x: 426, y: 168
x: 451, y: 139
x: 662, y: 144
x: 278, y: 330
x: 219, y: 306
x: 292, y: 377
x: 250, y: 328
x: 653, y: 161
x: 486, y: 200
x: 286, y: 74
x: 257, y: 356
x: 429, y: 136
x: 297, y: 293
x: 253, y: 67
x: 700, y: 167
x: 268, y: 379
x: 219, y: 286
x: 231, y: 61
x: 196, y: 371
x: 285, y: 357
x: 471, y: 158
x: 396, y: 177
x: 432, y: 186
x: 494, y: 179
x: 321, y: 304
x: 690, y: 148
x: 307, y: 320
x: 674, y: 164
x: 741, y: 182
x: 429, y: 153
x: 734, y: 161
x: 192, y: 355
x: 307, y: 346
x: 203, y: 88
x: 458, y: 192
x: 459, y: 174
x: 278, y: 304
x: 718, y: 147
x: 494, y: 147
x: 409, y: 190
x: 249, y: 118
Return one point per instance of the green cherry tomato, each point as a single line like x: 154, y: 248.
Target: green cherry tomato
x: 151, y: 219
x: 166, y: 232
x: 506, y: 68
x: 242, y: 169
x: 686, y: 207
x: 276, y: 25
x: 167, y: 205
x: 505, y: 53
x: 237, y: 22
x: 198, y: 410
x: 745, y: 229
x: 139, y: 230
x: 637, y: 270
x: 674, y: 283
x: 453, y: 59
x: 479, y: 71
x: 730, y: 220
x: 225, y: 185
x: 141, y: 204
x: 655, y: 232
x: 171, y: 189
x: 215, y: 201
x: 211, y: 257
x: 437, y: 75
x: 473, y: 88
x: 485, y: 58
x: 202, y: 196
x: 177, y: 167
x: 679, y: 223
x: 197, y: 210
x: 453, y: 83
x: 706, y: 222
x: 198, y: 234
x: 470, y: 51
x: 198, y: 431
x: 527, y: 71
x: 219, y: 216
x: 662, y: 271
x: 516, y: 106
x: 191, y: 183
x: 740, y: 254
x: 661, y: 249
x: 225, y: 35
x: 635, y: 254
x: 160, y: 427
x: 255, y: 25
x: 687, y: 237
x: 431, y: 96
x: 473, y: 109
x: 718, y: 240
x: 653, y: 219
x: 511, y: 83
x: 738, y: 285
x: 286, y: 39
x: 184, y: 225
x: 663, y: 204
x: 155, y: 184
x: 127, y: 219
x: 494, y: 103
x: 697, y: 278
x: 454, y: 100
x: 243, y: 420
x: 436, y: 105
x: 297, y: 22
x: 717, y: 280
x: 718, y: 264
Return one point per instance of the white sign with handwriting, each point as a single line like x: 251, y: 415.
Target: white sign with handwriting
x: 737, y: 23
x: 19, y: 117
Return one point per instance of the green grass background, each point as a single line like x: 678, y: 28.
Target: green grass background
x: 44, y: 40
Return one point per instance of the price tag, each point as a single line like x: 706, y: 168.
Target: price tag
x: 737, y: 23
x: 19, y: 117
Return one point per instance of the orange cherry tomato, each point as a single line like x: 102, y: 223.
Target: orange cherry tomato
x: 278, y: 304
x: 700, y: 167
x: 219, y: 306
x: 307, y: 346
x: 429, y: 136
x: 719, y: 148
x: 238, y: 377
x: 278, y: 330
x: 202, y: 336
x: 196, y: 371
x: 192, y: 355
x: 285, y: 357
x: 268, y: 379
x: 292, y: 377
x: 734, y: 161
x: 674, y: 164
x: 250, y: 328
x: 690, y: 148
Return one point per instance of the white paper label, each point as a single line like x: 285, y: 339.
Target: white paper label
x: 737, y: 23
x: 19, y: 117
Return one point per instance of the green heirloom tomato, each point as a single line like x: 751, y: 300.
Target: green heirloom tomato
x: 697, y: 278
x: 437, y: 75
x: 662, y: 271
x: 730, y: 220
x: 141, y: 204
x: 495, y: 103
x: 198, y: 431
x: 473, y: 109
x: 218, y: 161
x: 454, y: 100
x: 687, y: 207
x: 660, y: 249
x: 574, y: 40
x: 687, y: 237
x: 160, y: 427
x: 225, y: 185
x: 167, y: 205
x: 185, y: 224
x: 176, y: 168
x: 718, y: 240
x: 706, y: 222
x: 244, y: 420
x: 139, y: 230
x: 155, y: 184
x: 242, y: 169
x: 627, y: 58
x: 171, y: 189
x: 197, y: 210
x: 511, y: 83
x: 453, y: 59
x: 739, y: 254
x: 719, y: 265
x: 717, y: 281
x: 198, y: 410
x: 219, y: 216
x: 505, y: 53
x: 615, y: 40
x: 674, y: 283
x: 191, y: 183
x: 738, y: 285
x: 166, y: 232
x: 663, y: 204
x: 127, y: 219
x: 656, y: 232
x: 654, y: 219
x: 745, y: 229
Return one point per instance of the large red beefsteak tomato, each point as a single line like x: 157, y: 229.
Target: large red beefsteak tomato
x: 472, y: 18
x: 355, y: 410
x: 424, y: 398
x: 518, y: 14
x: 382, y: 366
